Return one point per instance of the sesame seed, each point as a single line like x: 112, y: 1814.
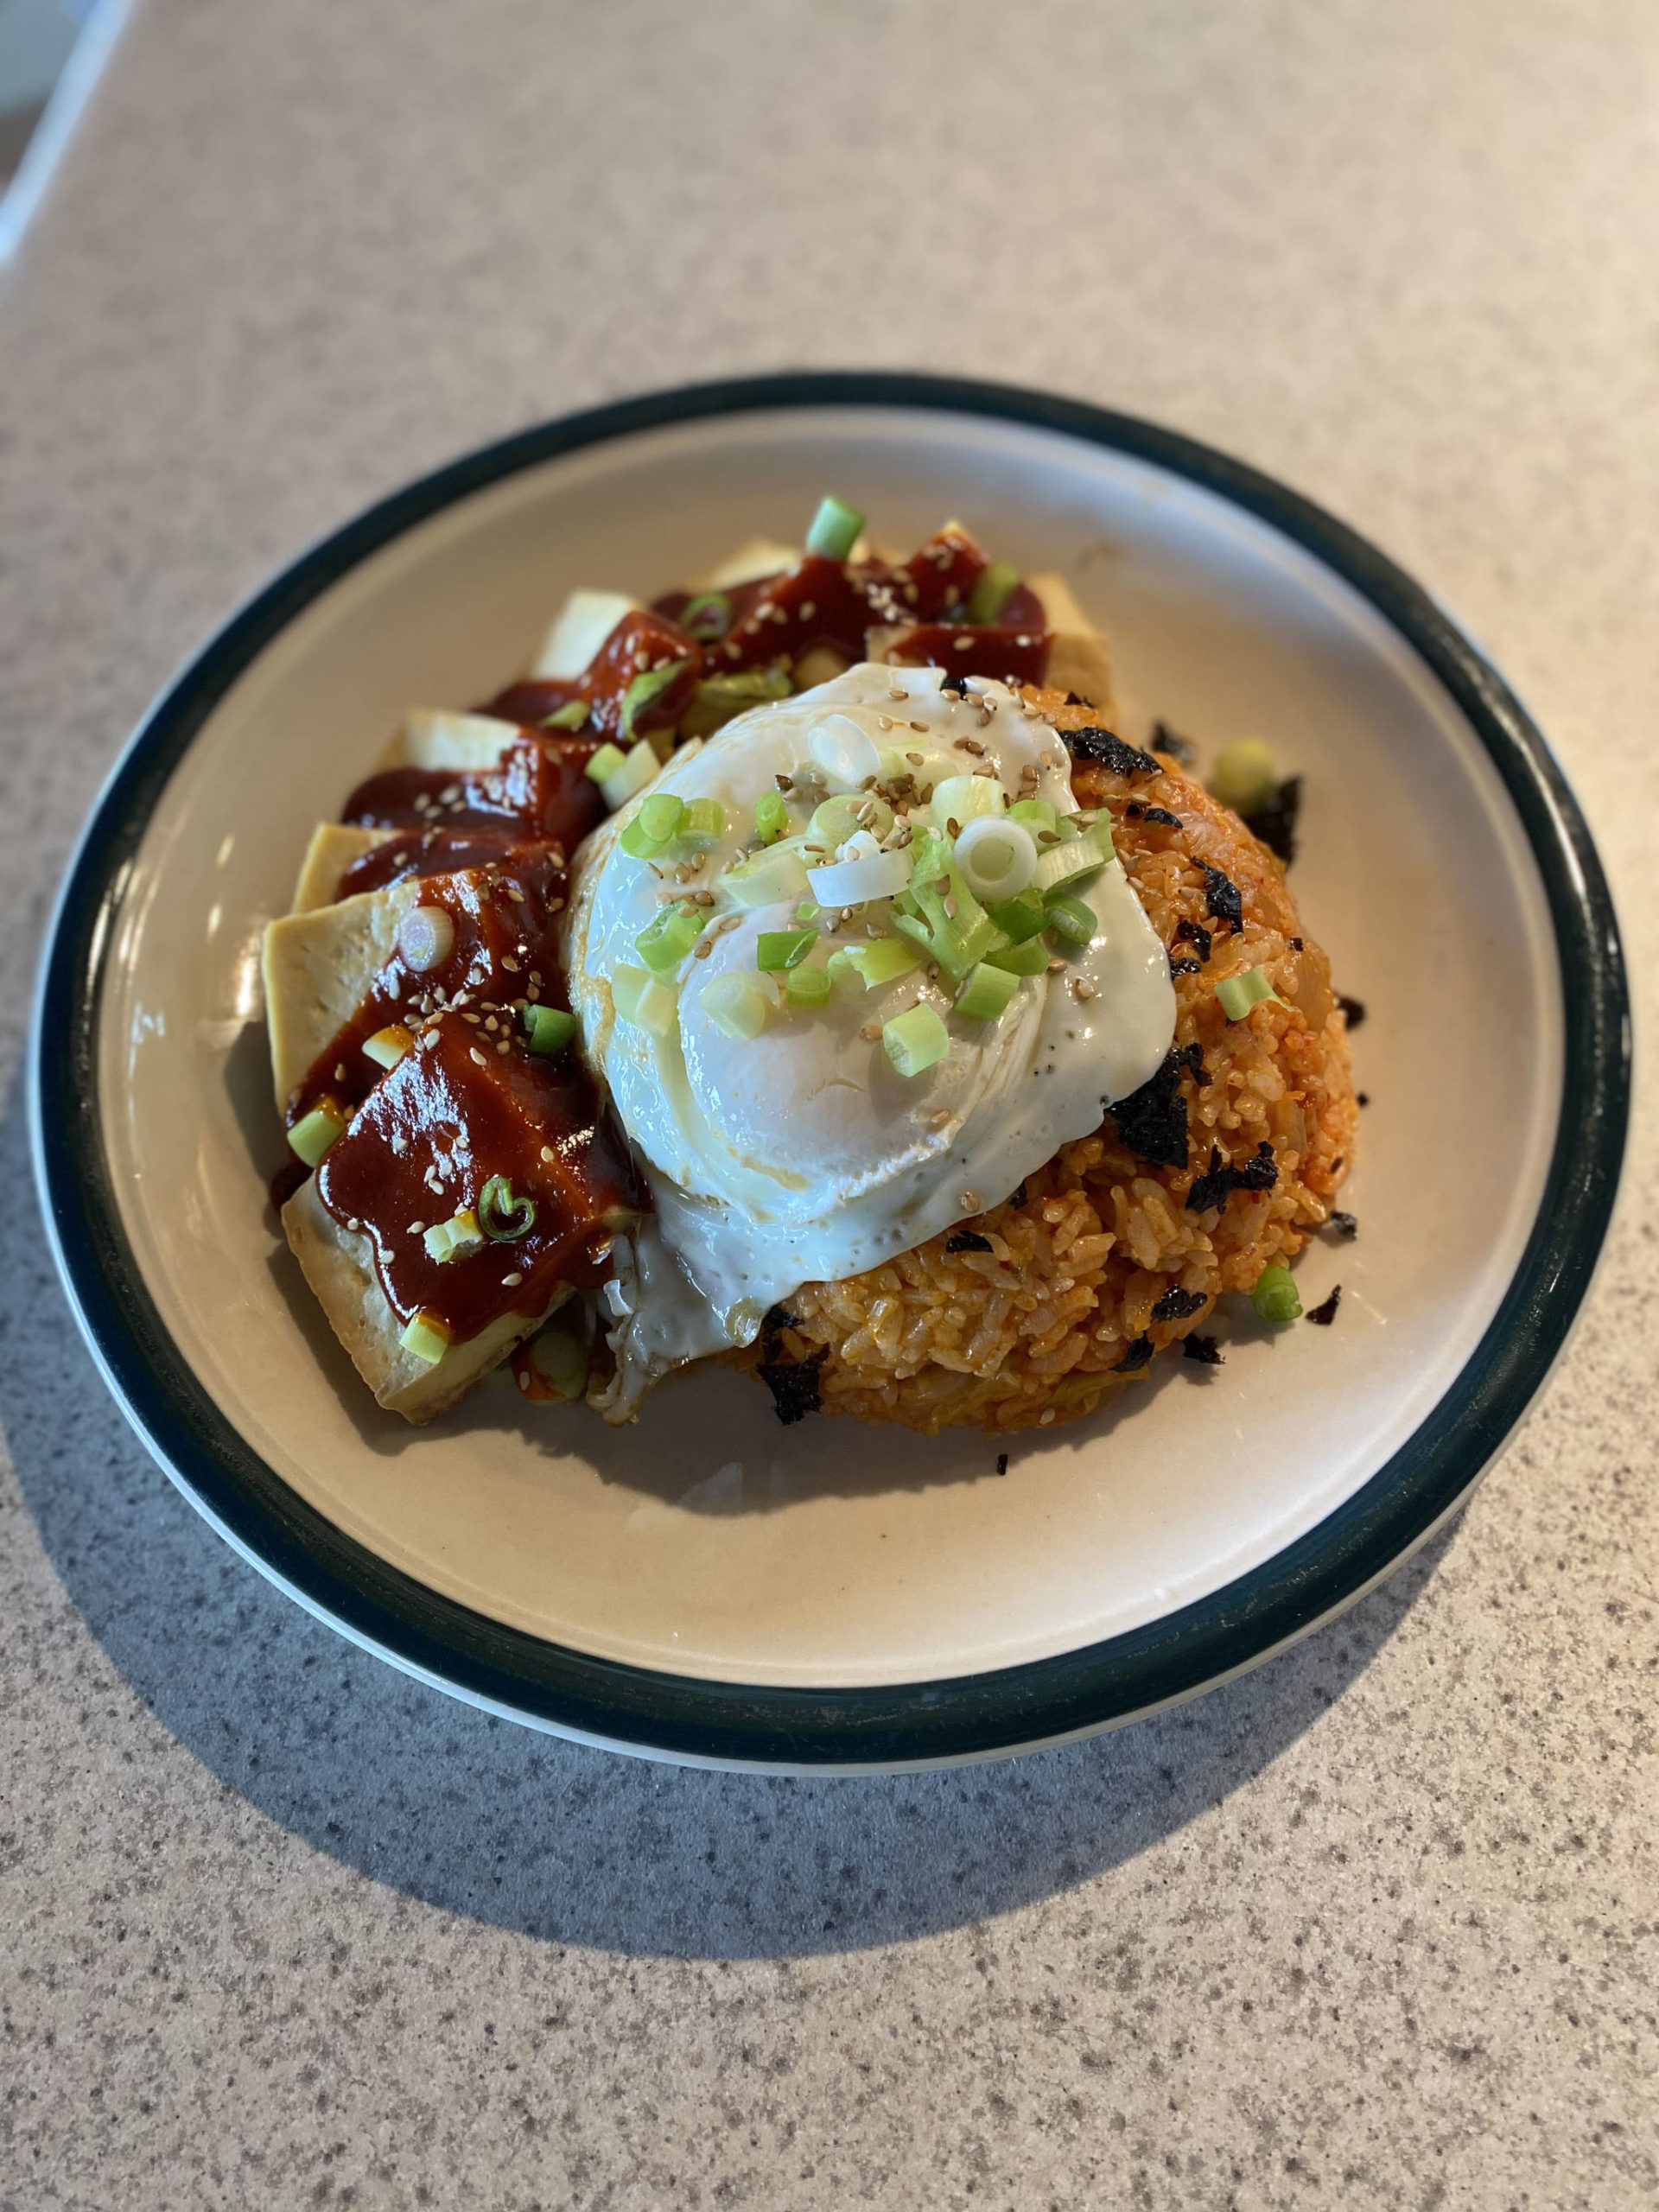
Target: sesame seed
x: 479, y: 1058
x: 512, y: 1281
x: 870, y: 1032
x: 920, y: 727
x: 1045, y: 1420
x: 963, y: 644
x: 1082, y: 988
x: 417, y: 1228
x: 506, y: 1045
x: 968, y: 1201
x: 430, y: 1040
x: 915, y: 759
x: 896, y: 694
x: 702, y: 948
x: 548, y: 1155
x: 808, y: 608
x: 1056, y: 967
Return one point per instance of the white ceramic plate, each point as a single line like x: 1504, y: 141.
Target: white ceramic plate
x: 709, y: 1585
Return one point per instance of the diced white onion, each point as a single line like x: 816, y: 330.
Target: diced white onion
x: 997, y: 857
x: 426, y: 939
x: 846, y: 752
x: 864, y: 871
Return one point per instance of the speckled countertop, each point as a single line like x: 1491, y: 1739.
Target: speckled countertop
x: 1373, y: 1927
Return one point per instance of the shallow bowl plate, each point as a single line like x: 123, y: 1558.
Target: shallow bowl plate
x: 708, y: 1585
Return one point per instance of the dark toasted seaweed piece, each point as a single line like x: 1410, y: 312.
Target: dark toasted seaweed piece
x: 1194, y: 933
x: 1274, y: 821
x: 1002, y: 1463
x: 1203, y: 1349
x: 1218, y: 1183
x: 1222, y: 898
x: 1138, y: 1355
x: 793, y: 1385
x: 1177, y: 1305
x: 1354, y: 1009
x: 1152, y: 1122
x: 1180, y: 749
x: 1186, y: 968
x: 1108, y: 752
x: 1135, y: 812
x: 1326, y: 1314
x: 967, y: 1240
x: 1344, y: 1225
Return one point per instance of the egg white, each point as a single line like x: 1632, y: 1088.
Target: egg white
x: 801, y: 1154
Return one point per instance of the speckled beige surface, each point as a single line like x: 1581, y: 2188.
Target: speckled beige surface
x: 1372, y: 1929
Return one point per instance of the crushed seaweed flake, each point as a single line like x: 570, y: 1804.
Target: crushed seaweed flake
x: 1223, y: 898
x: 1203, y: 1349
x: 1152, y: 1122
x: 1325, y: 1313
x: 1274, y: 821
x: 1218, y: 1182
x: 1179, y: 749
x: 1138, y: 1355
x: 794, y: 1385
x: 1178, y: 1304
x: 1108, y: 751
x: 1353, y: 1008
x: 967, y: 1240
x: 1345, y: 1225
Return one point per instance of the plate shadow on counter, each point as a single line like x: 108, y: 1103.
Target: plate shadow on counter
x: 522, y: 1831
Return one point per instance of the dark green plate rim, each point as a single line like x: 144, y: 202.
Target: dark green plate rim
x: 636, y: 1708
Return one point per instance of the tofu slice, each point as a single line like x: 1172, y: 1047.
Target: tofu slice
x: 318, y: 967
x: 1078, y: 658
x: 332, y: 848
x: 756, y: 557
x: 585, y: 620
x: 340, y: 1268
x: 433, y: 737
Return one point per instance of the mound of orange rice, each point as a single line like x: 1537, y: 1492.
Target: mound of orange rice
x: 1050, y: 1306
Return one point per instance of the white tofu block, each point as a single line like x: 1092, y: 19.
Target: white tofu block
x: 332, y: 848
x: 318, y: 968
x: 586, y: 620
x: 434, y: 737
x: 339, y: 1270
x: 756, y: 556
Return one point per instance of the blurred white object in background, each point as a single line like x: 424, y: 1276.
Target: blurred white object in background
x: 51, y: 52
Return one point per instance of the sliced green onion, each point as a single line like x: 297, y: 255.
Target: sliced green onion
x: 834, y: 529
x: 1018, y: 919
x: 606, y: 762
x: 1036, y: 813
x: 654, y: 827
x: 1238, y: 994
x: 916, y: 1041
x: 641, y: 999
x: 776, y: 950
x: 313, y: 1134
x: 1274, y: 1297
x: 388, y: 1045
x: 965, y: 798
x: 1030, y: 957
x: 571, y: 715
x: 560, y: 1358
x: 1244, y: 776
x: 809, y: 986
x: 807, y: 910
x: 771, y: 817
x: 998, y: 858
x: 503, y: 1215
x: 637, y: 767
x: 648, y: 685
x: 767, y: 880
x: 1074, y: 919
x: 881, y: 962
x: 737, y: 1004
x: 663, y: 942
x: 704, y: 822
x: 866, y: 873
x: 426, y: 1338
x: 708, y: 616
x: 453, y: 1239
x: 746, y: 687
x: 995, y: 588
x: 986, y: 995
x: 1065, y: 862
x: 549, y: 1028
x: 958, y: 940
x: 842, y: 818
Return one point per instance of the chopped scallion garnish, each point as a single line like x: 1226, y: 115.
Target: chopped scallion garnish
x: 766, y: 881
x: 882, y: 962
x: 663, y: 942
x: 606, y: 762
x: 548, y: 1028
x: 635, y: 770
x: 452, y: 1239
x: 1238, y: 994
x: 738, y: 1004
x: 995, y: 587
x: 1029, y: 958
x: 1079, y: 855
x: 1244, y: 776
x: 503, y: 1215
x: 560, y: 1358
x: 640, y: 998
x: 388, y: 1045
x: 809, y: 986
x: 704, y: 822
x: 654, y: 826
x: 1070, y: 919
x: 571, y: 715
x: 776, y: 950
x: 1018, y: 919
x: 708, y: 617
x: 771, y: 817
x: 313, y: 1134
x: 1036, y: 813
x: 426, y: 1338
x: 916, y: 1041
x: 1274, y: 1297
x: 965, y: 798
x: 987, y: 993
x: 998, y: 858
x: 834, y: 529
x: 649, y: 685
